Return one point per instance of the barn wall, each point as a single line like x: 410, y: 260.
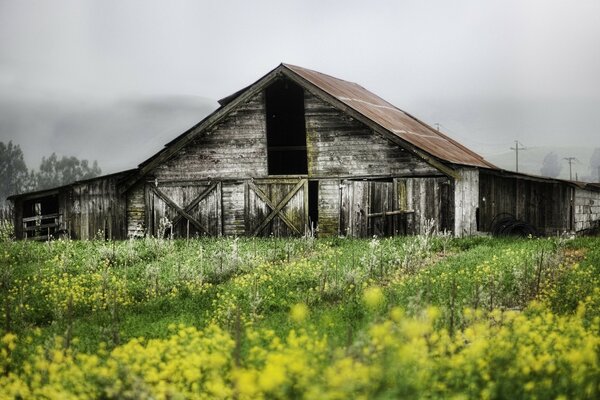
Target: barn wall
x: 235, y: 148
x: 430, y: 200
x: 466, y: 198
x: 587, y: 209
x: 329, y: 207
x: 400, y: 206
x: 234, y: 152
x: 338, y: 145
x: 96, y: 209
x: 544, y: 204
x: 234, y: 222
x: 136, y: 211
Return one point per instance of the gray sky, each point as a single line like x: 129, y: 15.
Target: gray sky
x: 115, y: 80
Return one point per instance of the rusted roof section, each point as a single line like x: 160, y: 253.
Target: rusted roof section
x: 391, y: 118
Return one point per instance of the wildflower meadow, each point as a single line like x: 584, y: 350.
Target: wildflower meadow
x: 245, y: 318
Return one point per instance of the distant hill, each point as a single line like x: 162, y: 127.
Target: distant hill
x: 531, y: 160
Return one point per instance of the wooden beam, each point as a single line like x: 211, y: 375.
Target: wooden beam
x: 38, y: 227
x: 276, y: 210
x: 386, y: 213
x: 40, y: 217
x: 220, y: 208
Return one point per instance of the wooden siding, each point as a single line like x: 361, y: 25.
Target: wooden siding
x: 234, y: 152
x: 543, y: 204
x: 587, y: 209
x: 234, y: 223
x: 136, y: 211
x: 94, y: 209
x: 396, y: 207
x: 466, y: 199
x: 338, y: 145
x: 430, y: 199
x: 234, y: 148
x: 329, y: 207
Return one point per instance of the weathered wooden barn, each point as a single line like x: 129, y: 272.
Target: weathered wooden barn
x: 300, y: 149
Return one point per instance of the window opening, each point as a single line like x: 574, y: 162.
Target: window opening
x: 286, y: 132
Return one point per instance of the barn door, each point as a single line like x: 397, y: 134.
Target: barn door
x: 372, y: 208
x: 276, y: 207
x: 184, y: 210
x: 430, y: 201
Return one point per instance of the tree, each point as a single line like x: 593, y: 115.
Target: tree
x: 551, y: 166
x: 57, y: 172
x: 595, y: 165
x: 13, y: 170
x: 15, y: 178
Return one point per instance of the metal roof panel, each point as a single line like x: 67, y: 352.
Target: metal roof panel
x: 391, y: 118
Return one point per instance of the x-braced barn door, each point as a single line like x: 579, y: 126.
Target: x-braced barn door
x: 184, y: 210
x: 277, y: 207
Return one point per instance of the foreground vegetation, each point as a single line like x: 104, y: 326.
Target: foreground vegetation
x: 415, y: 317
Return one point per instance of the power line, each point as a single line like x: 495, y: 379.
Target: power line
x: 570, y: 161
x: 516, y: 149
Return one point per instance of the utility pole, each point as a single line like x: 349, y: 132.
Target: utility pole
x: 570, y: 161
x: 516, y: 149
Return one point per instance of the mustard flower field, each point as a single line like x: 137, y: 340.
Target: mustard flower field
x: 414, y: 317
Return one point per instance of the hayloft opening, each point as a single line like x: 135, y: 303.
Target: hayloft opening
x: 286, y: 132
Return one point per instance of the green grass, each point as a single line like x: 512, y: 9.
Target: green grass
x: 105, y: 294
x: 328, y: 275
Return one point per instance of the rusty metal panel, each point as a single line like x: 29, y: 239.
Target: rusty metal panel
x: 391, y: 118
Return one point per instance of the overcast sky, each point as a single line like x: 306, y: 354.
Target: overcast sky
x: 115, y: 80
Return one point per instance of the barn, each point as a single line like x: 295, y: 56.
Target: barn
x: 300, y: 151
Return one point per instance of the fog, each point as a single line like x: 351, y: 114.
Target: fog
x: 114, y: 81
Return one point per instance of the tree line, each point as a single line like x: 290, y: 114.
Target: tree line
x: 16, y: 177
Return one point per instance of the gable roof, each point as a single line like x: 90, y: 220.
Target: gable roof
x: 391, y: 118
x: 370, y: 108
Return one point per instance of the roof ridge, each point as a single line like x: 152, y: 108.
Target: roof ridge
x: 291, y: 66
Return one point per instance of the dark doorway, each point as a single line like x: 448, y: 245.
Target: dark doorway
x: 313, y: 203
x: 40, y: 217
x: 286, y: 133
